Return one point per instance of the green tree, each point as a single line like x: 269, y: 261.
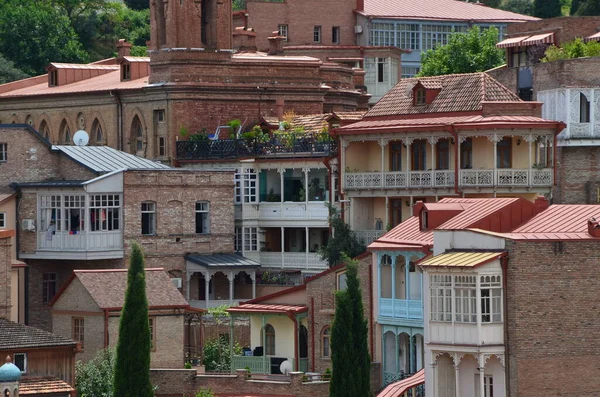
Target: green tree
x: 524, y: 7
x: 138, y: 4
x: 342, y: 242
x: 492, y: 3
x: 35, y: 34
x: 239, y: 5
x: 547, y: 8
x: 217, y: 354
x: 9, y: 72
x: 132, y: 368
x: 95, y: 378
x: 349, y: 340
x: 473, y: 51
x: 588, y: 8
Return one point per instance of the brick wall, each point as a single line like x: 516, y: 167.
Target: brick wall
x: 553, y: 318
x: 577, y: 179
x: 5, y: 276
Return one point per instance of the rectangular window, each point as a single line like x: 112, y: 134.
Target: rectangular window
x: 342, y: 281
x: 74, y: 213
x: 105, y: 212
x: 465, y: 292
x: 491, y: 299
x: 408, y: 36
x: 49, y: 287
x: 396, y: 156
x: 3, y: 152
x: 409, y: 71
x: 20, y: 360
x: 383, y: 34
x: 250, y: 239
x: 53, y: 78
x: 317, y: 34
x: 488, y: 386
x: 160, y: 115
x: 238, y: 239
x: 420, y: 96
x: 151, y: 325
x: 335, y: 35
x: 245, y: 186
x: 584, y: 109
x: 78, y: 330
x: 382, y: 70
x: 202, y: 217
x: 148, y: 218
x: 504, y: 153
x: 50, y: 213
x: 2, y: 220
x: 434, y: 35
x: 466, y: 154
x: 283, y: 31
x: 442, y: 154
x: 441, y: 298
x: 162, y: 146
x: 125, y: 71
x: 418, y: 155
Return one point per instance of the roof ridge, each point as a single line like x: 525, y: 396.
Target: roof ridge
x: 114, y: 270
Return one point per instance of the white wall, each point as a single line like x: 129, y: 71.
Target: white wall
x: 464, y: 239
x: 284, y: 334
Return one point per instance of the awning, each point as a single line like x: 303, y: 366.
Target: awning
x: 545, y: 38
x: 397, y: 389
x: 511, y: 42
x: 594, y: 37
x: 267, y: 308
x: 221, y: 261
x: 461, y: 259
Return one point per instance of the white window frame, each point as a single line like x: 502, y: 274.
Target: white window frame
x: 50, y: 211
x: 283, y: 30
x: 246, y: 186
x: 250, y: 239
x: 317, y: 34
x: 202, y: 210
x: 3, y: 152
x: 491, y: 303
x: 441, y: 297
x: 465, y: 293
x: 2, y: 220
x: 24, y: 355
x: 104, y: 207
x: 148, y: 208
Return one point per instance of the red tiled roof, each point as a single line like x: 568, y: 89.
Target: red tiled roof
x: 267, y: 308
x: 107, y: 288
x: 459, y: 93
x: 453, y: 10
x: 350, y: 116
x: 397, y: 389
x: 39, y: 385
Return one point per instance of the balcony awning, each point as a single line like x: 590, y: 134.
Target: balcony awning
x: 397, y: 389
x: 461, y: 259
x: 257, y: 308
x: 594, y: 37
x: 221, y: 261
x: 545, y: 38
x: 511, y: 42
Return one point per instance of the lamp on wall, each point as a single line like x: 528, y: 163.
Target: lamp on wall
x: 518, y: 142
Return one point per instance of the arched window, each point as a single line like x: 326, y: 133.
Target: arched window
x: 65, y: 133
x: 97, y: 133
x: 44, y: 129
x: 29, y: 120
x: 137, y: 136
x: 269, y: 340
x: 584, y: 109
x: 325, y: 340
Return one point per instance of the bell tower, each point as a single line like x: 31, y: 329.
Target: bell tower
x: 185, y: 24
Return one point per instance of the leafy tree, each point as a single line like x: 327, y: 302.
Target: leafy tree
x: 547, y: 8
x: 574, y: 6
x: 217, y: 354
x: 9, y: 72
x: 342, y: 242
x: 524, y: 7
x: 132, y: 369
x: 589, y: 8
x: 239, y: 5
x: 572, y: 49
x: 349, y: 341
x: 473, y: 51
x: 35, y: 34
x: 492, y: 3
x: 95, y: 378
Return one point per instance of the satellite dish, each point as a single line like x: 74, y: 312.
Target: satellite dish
x: 81, y: 138
x: 286, y: 367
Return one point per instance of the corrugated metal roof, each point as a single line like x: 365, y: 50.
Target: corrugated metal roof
x: 222, y: 260
x: 83, y: 66
x: 462, y: 259
x: 107, y: 159
x: 397, y: 389
x: 475, y: 210
x: 259, y: 308
x: 440, y: 10
x: 52, y: 184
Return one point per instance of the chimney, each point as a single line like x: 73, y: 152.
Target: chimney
x: 593, y: 228
x: 541, y: 203
x: 244, y: 39
x: 360, y: 5
x: 123, y: 48
x: 276, y: 44
x: 359, y: 79
x: 417, y: 207
x: 279, y: 102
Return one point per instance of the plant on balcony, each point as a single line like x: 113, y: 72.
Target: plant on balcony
x: 315, y: 191
x: 278, y: 278
x: 342, y: 242
x: 234, y: 126
x: 272, y: 197
x: 217, y: 354
x: 349, y: 345
x: 539, y: 166
x: 201, y: 135
x: 256, y: 134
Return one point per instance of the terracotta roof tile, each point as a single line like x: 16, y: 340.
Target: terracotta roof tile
x: 459, y: 93
x: 440, y: 10
x: 38, y: 385
x: 107, y: 288
x: 350, y: 116
x: 20, y: 336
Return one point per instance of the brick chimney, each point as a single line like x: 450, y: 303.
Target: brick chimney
x: 360, y: 5
x: 594, y: 228
x: 279, y: 103
x: 244, y: 39
x: 276, y: 44
x: 359, y: 79
x: 123, y: 48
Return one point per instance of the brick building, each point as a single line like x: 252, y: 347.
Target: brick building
x: 569, y: 90
x: 79, y: 206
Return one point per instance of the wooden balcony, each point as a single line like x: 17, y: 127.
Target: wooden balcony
x: 289, y: 260
x: 266, y: 211
x: 80, y: 245
x: 401, y: 308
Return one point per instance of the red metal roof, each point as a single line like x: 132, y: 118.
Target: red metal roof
x: 475, y: 210
x: 440, y: 10
x: 267, y: 308
x: 397, y: 389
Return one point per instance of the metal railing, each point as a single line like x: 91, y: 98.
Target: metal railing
x: 279, y: 145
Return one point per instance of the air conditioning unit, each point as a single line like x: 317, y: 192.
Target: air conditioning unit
x: 358, y: 29
x: 176, y: 282
x: 28, y: 224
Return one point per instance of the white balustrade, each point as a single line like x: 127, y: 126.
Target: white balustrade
x: 399, y: 179
x: 315, y: 210
x: 212, y: 303
x: 81, y: 241
x: 289, y: 260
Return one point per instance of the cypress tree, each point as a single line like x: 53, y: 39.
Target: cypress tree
x: 547, y: 8
x: 349, y: 341
x: 574, y: 6
x: 132, y: 368
x: 589, y: 8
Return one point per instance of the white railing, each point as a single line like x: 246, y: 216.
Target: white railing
x: 363, y: 180
x: 399, y: 179
x: 289, y: 260
x: 212, y: 303
x: 507, y: 177
x: 315, y: 210
x: 512, y: 177
x: 476, y: 178
x: 366, y: 237
x: 92, y: 241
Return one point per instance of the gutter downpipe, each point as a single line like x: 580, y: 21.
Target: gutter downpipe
x: 119, y: 118
x: 453, y: 132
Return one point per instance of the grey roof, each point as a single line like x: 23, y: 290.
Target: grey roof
x: 107, y: 159
x: 20, y: 336
x: 57, y: 183
x: 218, y: 261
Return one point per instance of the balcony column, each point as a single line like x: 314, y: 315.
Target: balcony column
x: 282, y: 247
x: 411, y: 348
x: 254, y: 284
x: 407, y: 279
x: 394, y: 287
x: 457, y: 375
x: 264, y: 341
x: 281, y: 171
x: 379, y: 264
x: 206, y: 288
x: 383, y: 144
x: 396, y: 352
x: 494, y: 139
x: 305, y: 171
x: 481, y: 361
x: 188, y: 278
x: 306, y: 247
x: 407, y: 142
x: 459, y: 163
x: 432, y: 142
x: 342, y: 174
x: 231, y: 278
x: 387, y: 215
x: 529, y: 139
